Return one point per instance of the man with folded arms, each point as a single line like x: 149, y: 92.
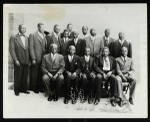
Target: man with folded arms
x: 53, y: 66
x: 125, y: 71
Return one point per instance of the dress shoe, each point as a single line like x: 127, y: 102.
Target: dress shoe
x: 17, y: 93
x: 49, y: 98
x: 74, y: 101
x: 36, y: 92
x: 90, y: 100
x: 131, y: 101
x: 120, y: 103
x: 96, y: 101
x: 26, y: 92
x: 66, y: 101
x: 113, y: 103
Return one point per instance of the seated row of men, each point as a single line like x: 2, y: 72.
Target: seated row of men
x: 27, y: 52
x: 86, y: 74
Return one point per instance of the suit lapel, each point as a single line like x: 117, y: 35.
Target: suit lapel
x: 20, y: 41
x: 50, y: 59
x: 26, y: 42
x: 39, y: 38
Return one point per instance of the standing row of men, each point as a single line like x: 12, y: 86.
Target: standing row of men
x: 72, y: 53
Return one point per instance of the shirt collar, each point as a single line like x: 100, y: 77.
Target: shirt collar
x: 124, y: 58
x: 107, y: 37
x: 21, y: 34
x: 121, y: 42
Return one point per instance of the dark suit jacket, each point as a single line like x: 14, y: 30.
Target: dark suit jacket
x: 56, y: 66
x: 64, y: 46
x: 18, y: 51
x: 98, y: 64
x: 52, y: 39
x: 110, y: 45
x: 117, y: 48
x: 94, y: 46
x: 80, y: 46
x: 37, y: 47
x: 83, y: 64
x: 74, y: 66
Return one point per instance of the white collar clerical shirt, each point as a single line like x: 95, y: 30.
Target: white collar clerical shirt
x: 106, y: 66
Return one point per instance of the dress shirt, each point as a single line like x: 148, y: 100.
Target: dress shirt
x: 22, y: 38
x: 56, y: 35
x: 65, y: 39
x: 75, y: 41
x: 106, y: 66
x: 41, y: 35
x: 87, y: 58
x: 93, y: 38
x: 70, y: 58
x: 124, y: 58
x: 53, y: 56
x: 121, y: 42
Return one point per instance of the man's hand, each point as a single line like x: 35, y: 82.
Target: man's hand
x: 74, y: 75
x: 55, y: 76
x: 33, y: 62
x: 17, y: 63
x: 92, y: 74
x: 109, y: 74
x: 124, y: 78
x: 105, y: 76
x: 49, y: 75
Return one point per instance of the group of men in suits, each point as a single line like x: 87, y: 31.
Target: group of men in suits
x: 81, y: 64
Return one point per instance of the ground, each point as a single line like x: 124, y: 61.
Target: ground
x: 36, y: 106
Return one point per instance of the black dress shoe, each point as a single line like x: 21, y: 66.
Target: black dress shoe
x: 66, y: 101
x: 113, y: 103
x: 131, y: 101
x: 120, y: 103
x: 96, y: 101
x: 90, y: 100
x: 49, y: 98
x: 74, y: 101
x: 17, y: 93
x: 26, y: 92
x: 36, y: 92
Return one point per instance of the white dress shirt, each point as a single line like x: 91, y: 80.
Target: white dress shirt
x: 22, y: 39
x: 65, y: 39
x: 121, y: 42
x: 53, y: 56
x: 124, y: 58
x: 41, y: 35
x: 70, y: 58
x: 106, y: 66
x: 87, y: 58
x: 93, y: 38
x: 56, y: 35
x: 75, y: 41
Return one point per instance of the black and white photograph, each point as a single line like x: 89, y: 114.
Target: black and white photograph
x: 75, y: 61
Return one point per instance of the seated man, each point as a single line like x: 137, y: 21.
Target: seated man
x: 53, y: 66
x: 87, y: 76
x: 105, y: 67
x: 72, y: 71
x: 125, y: 73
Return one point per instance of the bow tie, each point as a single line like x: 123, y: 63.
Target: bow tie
x: 22, y: 35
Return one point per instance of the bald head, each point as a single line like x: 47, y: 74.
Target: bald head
x: 107, y: 32
x: 93, y: 32
x: 121, y: 35
x: 22, y: 29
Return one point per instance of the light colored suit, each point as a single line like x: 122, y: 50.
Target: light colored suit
x: 93, y: 45
x: 125, y: 68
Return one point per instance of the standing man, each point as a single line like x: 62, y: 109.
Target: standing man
x: 64, y: 43
x: 70, y: 27
x: 53, y: 66
x: 37, y: 48
x: 93, y: 42
x: 105, y: 67
x: 53, y: 37
x: 87, y: 76
x: 19, y: 51
x: 118, y: 44
x: 107, y: 41
x: 72, y: 71
x: 125, y: 71
x: 84, y: 32
x: 78, y: 43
